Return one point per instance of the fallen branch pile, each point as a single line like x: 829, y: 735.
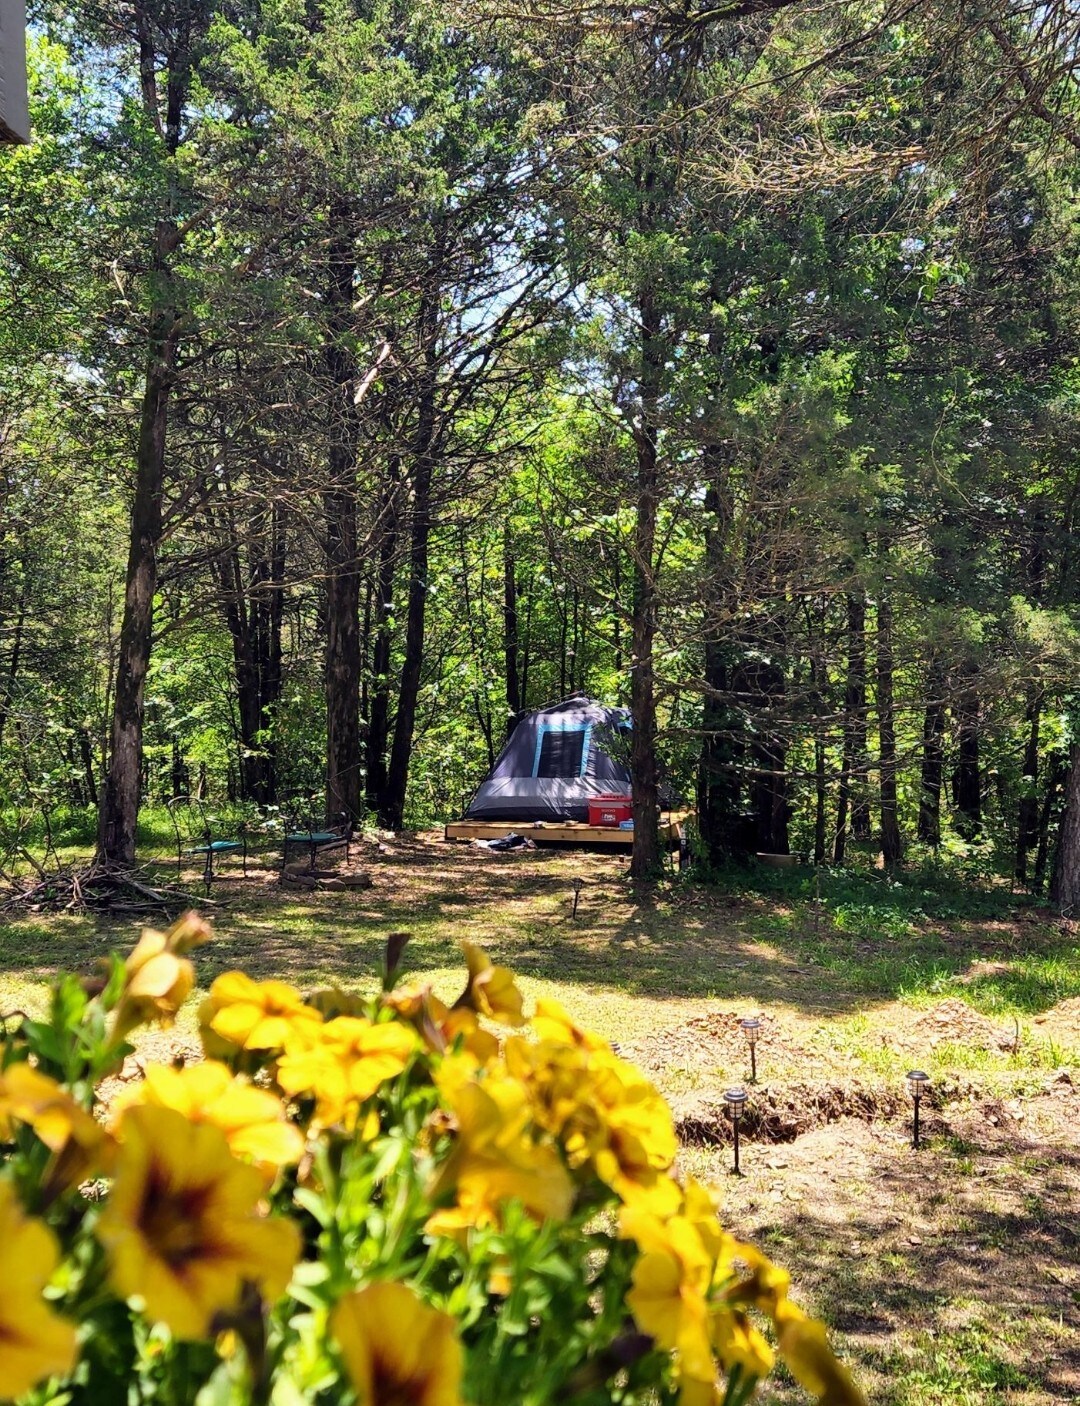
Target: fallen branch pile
x: 99, y: 888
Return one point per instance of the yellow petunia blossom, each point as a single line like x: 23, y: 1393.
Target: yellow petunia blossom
x: 671, y: 1283
x: 398, y: 1351
x: 182, y: 1228
x: 737, y: 1342
x: 330, y: 1001
x: 491, y: 990
x: 81, y: 1146
x: 804, y: 1346
x: 253, y: 1120
x: 158, y: 978
x: 241, y: 1014
x: 439, y: 1027
x: 343, y: 1063
x: 495, y: 1158
x: 608, y: 1118
x: 551, y: 1022
x: 697, y: 1393
x: 556, y: 1078
x: 35, y: 1342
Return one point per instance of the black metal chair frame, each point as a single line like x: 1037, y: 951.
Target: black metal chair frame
x: 200, y: 825
x: 302, y: 835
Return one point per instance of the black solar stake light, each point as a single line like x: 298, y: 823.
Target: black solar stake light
x: 735, y: 1098
x: 917, y: 1081
x: 577, y: 885
x: 751, y: 1029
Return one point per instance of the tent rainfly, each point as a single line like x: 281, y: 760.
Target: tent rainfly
x: 14, y: 119
x: 556, y: 759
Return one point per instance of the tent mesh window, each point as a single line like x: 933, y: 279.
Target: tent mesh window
x: 561, y: 752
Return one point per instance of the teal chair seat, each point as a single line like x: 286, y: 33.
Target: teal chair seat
x: 194, y: 829
x: 314, y: 837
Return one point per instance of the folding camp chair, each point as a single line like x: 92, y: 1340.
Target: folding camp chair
x: 193, y: 825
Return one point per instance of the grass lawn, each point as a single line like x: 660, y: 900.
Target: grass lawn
x: 951, y: 1275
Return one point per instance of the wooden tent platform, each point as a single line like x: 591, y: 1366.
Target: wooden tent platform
x: 568, y: 832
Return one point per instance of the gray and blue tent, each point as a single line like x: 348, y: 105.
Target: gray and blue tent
x: 555, y: 760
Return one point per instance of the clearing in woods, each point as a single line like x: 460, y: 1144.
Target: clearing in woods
x: 950, y: 1276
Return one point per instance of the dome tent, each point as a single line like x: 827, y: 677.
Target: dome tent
x: 555, y: 760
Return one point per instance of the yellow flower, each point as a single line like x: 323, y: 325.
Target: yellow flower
x: 182, y: 1228
x: 671, y: 1282
x: 737, y: 1342
x: 253, y: 1120
x: 158, y: 978
x: 80, y: 1144
x: 551, y: 1022
x: 342, y: 1063
x: 556, y: 1077
x: 765, y: 1288
x: 35, y: 1342
x: 332, y: 1000
x: 805, y: 1348
x: 241, y: 1014
x: 639, y: 1143
x: 697, y: 1393
x: 187, y: 932
x: 609, y: 1119
x: 441, y: 1028
x: 397, y: 1350
x: 495, y: 1158
x: 491, y: 990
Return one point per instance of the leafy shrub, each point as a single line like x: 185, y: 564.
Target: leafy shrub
x: 372, y: 1199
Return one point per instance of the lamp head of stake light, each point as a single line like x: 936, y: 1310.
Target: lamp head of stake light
x: 735, y: 1098
x: 917, y: 1082
x: 751, y: 1028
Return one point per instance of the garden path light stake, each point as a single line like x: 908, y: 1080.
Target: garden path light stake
x: 735, y: 1098
x: 917, y: 1080
x: 751, y: 1029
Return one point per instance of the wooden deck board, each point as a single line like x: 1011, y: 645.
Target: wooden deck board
x: 562, y: 832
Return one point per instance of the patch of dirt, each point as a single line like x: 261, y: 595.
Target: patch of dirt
x: 1061, y: 1022
x: 911, y: 1255
x: 714, y: 1041
x: 782, y: 1113
x: 954, y: 1021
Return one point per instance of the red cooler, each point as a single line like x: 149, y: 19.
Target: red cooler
x: 609, y: 810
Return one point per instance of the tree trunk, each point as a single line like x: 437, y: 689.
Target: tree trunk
x: 891, y: 843
x: 851, y: 802
x: 86, y: 756
x: 967, y: 781
x: 933, y: 757
x: 118, y: 812
x: 392, y: 807
x: 342, y: 675
x: 719, y: 785
x: 1058, y: 772
x: 644, y: 770
x: 13, y: 663
x: 764, y: 685
x: 118, y: 809
x: 510, y: 636
x: 820, y: 796
x: 378, y: 734
x: 1027, y: 819
x: 253, y: 606
x: 860, y: 784
x: 1065, y: 885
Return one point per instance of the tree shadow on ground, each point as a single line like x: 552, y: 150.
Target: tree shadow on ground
x: 953, y: 1280
x: 815, y: 941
